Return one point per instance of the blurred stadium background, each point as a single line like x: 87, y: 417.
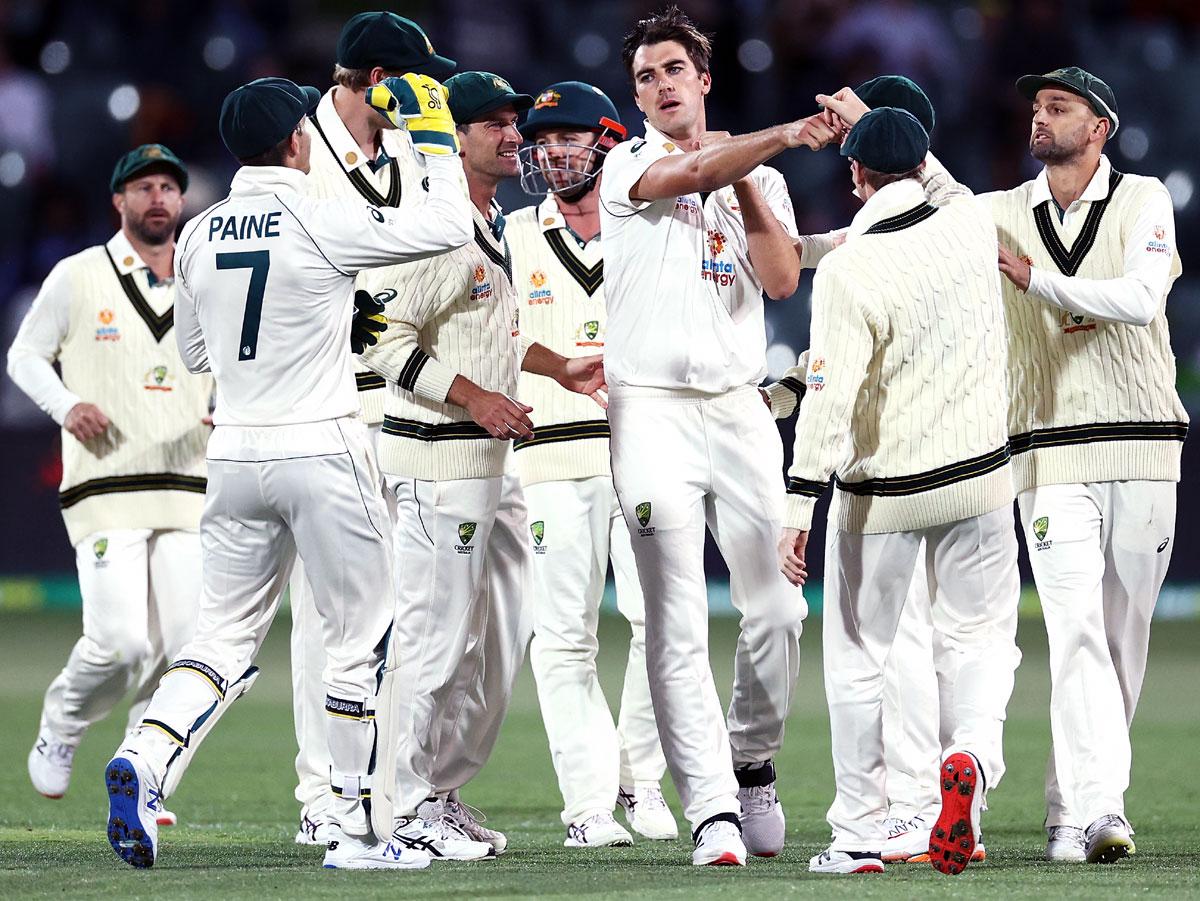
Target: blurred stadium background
x: 82, y: 82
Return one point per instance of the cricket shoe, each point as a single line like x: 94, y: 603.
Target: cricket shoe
x: 344, y: 852
x: 952, y: 841
x: 1065, y: 844
x: 845, y: 863
x: 763, y: 824
x: 1108, y: 839
x: 647, y: 812
x: 432, y: 832
x: 907, y: 840
x: 133, y: 807
x: 165, y: 817
x: 599, y: 830
x: 50, y: 763
x: 719, y: 843
x: 315, y: 828
x: 470, y: 820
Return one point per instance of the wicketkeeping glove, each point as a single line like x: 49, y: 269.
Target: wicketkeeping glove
x: 419, y: 103
x: 368, y: 321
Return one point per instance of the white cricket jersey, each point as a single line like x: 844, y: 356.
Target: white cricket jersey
x: 266, y: 288
x: 339, y: 168
x: 668, y: 326
x: 728, y: 261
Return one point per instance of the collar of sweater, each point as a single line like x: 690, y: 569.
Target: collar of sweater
x: 897, y: 197
x: 266, y: 179
x: 1097, y: 188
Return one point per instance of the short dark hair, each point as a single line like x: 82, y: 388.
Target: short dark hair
x: 672, y: 24
x: 878, y: 179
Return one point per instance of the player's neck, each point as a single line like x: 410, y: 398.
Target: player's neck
x: 160, y: 258
x: 482, y: 192
x: 582, y: 215
x: 1070, y: 178
x: 689, y: 139
x: 360, y: 120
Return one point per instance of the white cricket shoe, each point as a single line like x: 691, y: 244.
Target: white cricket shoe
x: 907, y: 840
x: 133, y: 807
x: 470, y: 820
x: 345, y: 852
x: 719, y: 844
x: 50, y: 763
x: 431, y: 831
x: 1065, y: 844
x: 1108, y: 839
x: 846, y: 862
x: 763, y: 823
x: 647, y: 812
x: 599, y: 830
x: 315, y: 827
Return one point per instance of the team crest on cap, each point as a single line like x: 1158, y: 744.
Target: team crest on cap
x: 547, y: 99
x: 501, y: 84
x: 152, y: 152
x: 428, y: 44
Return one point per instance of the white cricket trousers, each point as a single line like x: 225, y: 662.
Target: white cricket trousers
x: 974, y: 562
x: 460, y: 631
x: 576, y: 528
x: 918, y: 687
x: 257, y: 516
x: 1099, y: 553
x: 682, y: 460
x: 308, y: 667
x: 140, y: 591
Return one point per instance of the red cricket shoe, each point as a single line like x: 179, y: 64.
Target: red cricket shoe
x: 952, y: 841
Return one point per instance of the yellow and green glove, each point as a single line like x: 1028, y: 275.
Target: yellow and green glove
x: 419, y: 103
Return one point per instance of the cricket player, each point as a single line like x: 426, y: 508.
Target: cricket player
x: 914, y: 718
x: 575, y: 523
x: 266, y: 289
x: 356, y: 154
x: 133, y: 439
x: 453, y: 352
x: 692, y: 442
x: 905, y: 365
x: 1097, y: 429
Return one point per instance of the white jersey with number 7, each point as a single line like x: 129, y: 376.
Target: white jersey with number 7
x: 265, y: 287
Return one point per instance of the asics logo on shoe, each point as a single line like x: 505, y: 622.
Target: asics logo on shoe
x: 417, y: 844
x: 391, y: 850
x: 154, y: 802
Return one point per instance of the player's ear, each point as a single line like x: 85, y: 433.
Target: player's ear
x: 377, y: 74
x: 118, y: 202
x: 705, y: 83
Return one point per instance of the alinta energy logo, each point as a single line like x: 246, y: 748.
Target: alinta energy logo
x: 466, y: 531
x: 538, y: 531
x: 720, y: 272
x: 643, y: 511
x: 539, y: 293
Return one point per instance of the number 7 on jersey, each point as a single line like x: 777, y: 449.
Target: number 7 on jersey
x: 259, y: 263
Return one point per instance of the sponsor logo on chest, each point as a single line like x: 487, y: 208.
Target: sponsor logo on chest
x: 539, y: 292
x: 720, y: 272
x: 815, y: 380
x: 588, y: 334
x: 158, y: 379
x: 482, y: 289
x: 105, y: 330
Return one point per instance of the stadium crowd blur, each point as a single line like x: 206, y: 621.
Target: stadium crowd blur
x: 82, y: 82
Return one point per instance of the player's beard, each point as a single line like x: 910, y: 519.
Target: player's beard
x: 1059, y: 150
x: 155, y: 231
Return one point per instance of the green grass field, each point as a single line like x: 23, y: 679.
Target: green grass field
x: 238, y: 816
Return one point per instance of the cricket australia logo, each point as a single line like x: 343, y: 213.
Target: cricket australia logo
x: 538, y: 531
x: 1041, y: 526
x: 642, y: 512
x: 100, y: 548
x: 587, y: 333
x: 466, y: 531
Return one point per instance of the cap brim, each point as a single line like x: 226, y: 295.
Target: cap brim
x: 175, y: 168
x: 439, y: 67
x: 1029, y: 85
x: 519, y: 102
x: 312, y: 97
